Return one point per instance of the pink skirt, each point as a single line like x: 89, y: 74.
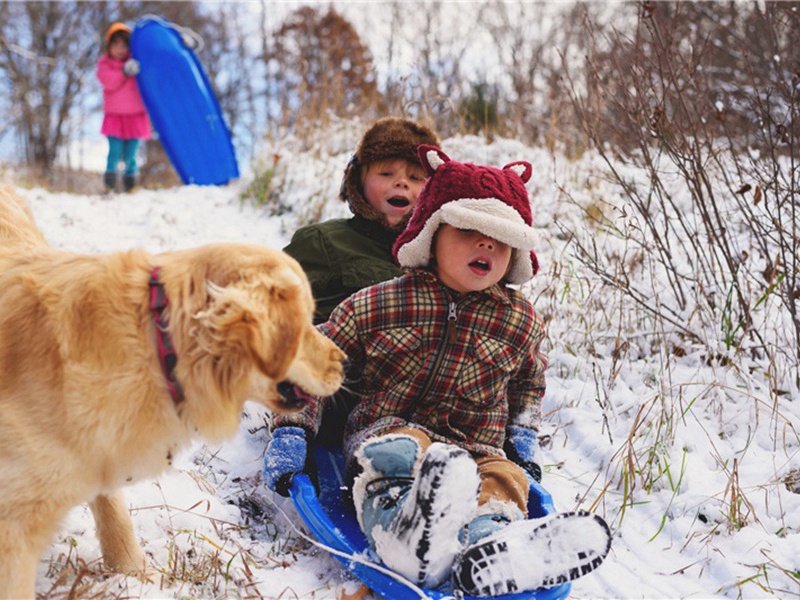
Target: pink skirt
x: 126, y: 127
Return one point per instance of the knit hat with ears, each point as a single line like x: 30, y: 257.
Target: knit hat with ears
x: 114, y: 28
x: 467, y: 196
x: 389, y: 138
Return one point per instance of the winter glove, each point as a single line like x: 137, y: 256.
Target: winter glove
x: 131, y: 67
x: 285, y: 457
x: 522, y: 447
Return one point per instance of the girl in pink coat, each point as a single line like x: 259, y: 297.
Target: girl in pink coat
x: 125, y: 119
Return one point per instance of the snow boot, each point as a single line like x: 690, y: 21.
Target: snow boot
x: 412, y: 520
x: 484, y: 526
x: 110, y: 181
x: 128, y: 182
x: 388, y: 472
x: 528, y: 555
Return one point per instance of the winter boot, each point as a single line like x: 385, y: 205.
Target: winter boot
x: 388, y: 472
x: 484, y: 526
x: 413, y: 520
x: 110, y: 181
x: 532, y: 554
x: 128, y: 182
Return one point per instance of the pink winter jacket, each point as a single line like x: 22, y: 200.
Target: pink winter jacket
x: 120, y: 93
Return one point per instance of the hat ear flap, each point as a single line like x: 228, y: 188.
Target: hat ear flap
x: 431, y: 158
x: 521, y: 168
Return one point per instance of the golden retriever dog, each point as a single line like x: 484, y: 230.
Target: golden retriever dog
x: 110, y: 364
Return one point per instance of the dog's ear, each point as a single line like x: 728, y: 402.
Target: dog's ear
x: 255, y: 318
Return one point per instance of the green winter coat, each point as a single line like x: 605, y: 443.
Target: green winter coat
x: 342, y: 256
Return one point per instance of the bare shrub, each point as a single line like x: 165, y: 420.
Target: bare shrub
x: 715, y: 219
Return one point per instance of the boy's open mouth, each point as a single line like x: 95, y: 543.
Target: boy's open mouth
x: 399, y: 202
x: 480, y: 265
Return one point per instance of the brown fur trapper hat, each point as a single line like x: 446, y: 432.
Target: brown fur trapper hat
x: 388, y: 138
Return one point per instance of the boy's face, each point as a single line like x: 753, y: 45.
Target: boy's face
x: 392, y: 187
x: 467, y: 260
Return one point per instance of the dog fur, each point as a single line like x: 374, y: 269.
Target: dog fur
x: 84, y: 405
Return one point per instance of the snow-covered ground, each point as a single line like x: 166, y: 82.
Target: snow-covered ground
x: 684, y: 458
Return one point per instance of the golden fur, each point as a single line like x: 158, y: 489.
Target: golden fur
x: 84, y: 408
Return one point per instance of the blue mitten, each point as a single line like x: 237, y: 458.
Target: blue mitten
x: 285, y: 457
x: 522, y: 447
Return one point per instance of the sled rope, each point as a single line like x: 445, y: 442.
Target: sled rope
x: 357, y: 558
x: 191, y: 39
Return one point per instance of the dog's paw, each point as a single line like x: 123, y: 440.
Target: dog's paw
x: 147, y: 575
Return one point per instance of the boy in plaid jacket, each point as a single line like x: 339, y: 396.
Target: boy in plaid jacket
x: 446, y: 364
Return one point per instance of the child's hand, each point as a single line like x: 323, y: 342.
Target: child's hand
x: 285, y: 457
x: 131, y: 67
x: 522, y: 447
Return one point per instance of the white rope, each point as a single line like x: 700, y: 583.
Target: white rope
x: 191, y: 39
x: 359, y: 559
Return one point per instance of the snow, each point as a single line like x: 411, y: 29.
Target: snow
x: 683, y: 456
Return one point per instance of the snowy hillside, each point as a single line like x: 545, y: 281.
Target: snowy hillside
x: 686, y: 458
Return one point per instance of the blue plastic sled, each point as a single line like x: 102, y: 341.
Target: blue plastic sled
x: 182, y: 104
x: 334, y: 524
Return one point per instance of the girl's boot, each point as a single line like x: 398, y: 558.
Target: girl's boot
x: 110, y: 181
x: 412, y: 514
x: 128, y: 182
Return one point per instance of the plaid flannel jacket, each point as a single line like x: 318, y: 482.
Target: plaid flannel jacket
x: 462, y: 369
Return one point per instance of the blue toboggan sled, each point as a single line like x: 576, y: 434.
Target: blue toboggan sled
x: 333, y: 522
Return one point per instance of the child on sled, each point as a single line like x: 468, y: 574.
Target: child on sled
x: 380, y: 184
x: 446, y: 364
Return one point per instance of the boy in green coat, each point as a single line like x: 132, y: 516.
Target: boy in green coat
x: 381, y: 184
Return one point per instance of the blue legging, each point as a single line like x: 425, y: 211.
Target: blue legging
x: 125, y: 150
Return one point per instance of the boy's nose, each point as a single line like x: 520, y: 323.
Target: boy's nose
x: 485, y: 242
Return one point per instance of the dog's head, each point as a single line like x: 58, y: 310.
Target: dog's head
x: 241, y: 317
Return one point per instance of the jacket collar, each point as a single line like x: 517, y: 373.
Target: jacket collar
x: 497, y: 292
x: 374, y: 230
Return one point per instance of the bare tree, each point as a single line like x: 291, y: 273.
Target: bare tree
x: 47, y: 55
x: 320, y: 67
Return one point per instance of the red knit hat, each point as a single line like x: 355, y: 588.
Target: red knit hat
x: 468, y: 196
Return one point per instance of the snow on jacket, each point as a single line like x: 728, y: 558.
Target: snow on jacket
x: 342, y: 256
x: 463, y: 368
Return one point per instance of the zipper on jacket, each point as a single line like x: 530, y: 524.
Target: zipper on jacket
x: 449, y: 336
x: 451, y: 323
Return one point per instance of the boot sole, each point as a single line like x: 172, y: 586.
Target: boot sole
x: 528, y: 555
